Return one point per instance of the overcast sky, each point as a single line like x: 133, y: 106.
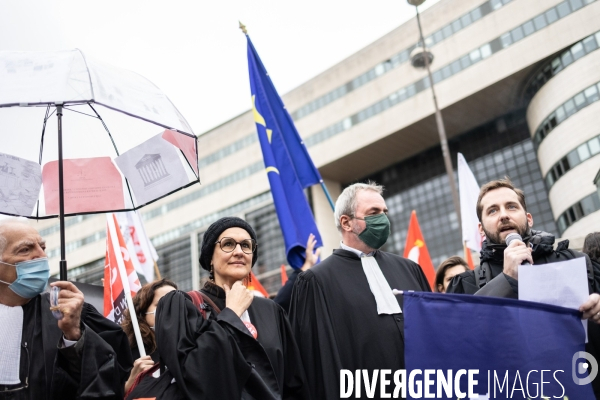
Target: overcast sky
x: 194, y: 51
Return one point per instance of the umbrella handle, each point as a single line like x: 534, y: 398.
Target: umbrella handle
x: 54, y: 303
x: 61, y: 196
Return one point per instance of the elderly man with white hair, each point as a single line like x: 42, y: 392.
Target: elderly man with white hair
x: 344, y: 312
x: 80, y: 356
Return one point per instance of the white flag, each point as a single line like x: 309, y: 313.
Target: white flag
x: 138, y: 245
x: 469, y: 192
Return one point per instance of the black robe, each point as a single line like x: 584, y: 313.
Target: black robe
x: 334, y: 317
x: 274, y: 335
x: 102, y: 364
x: 210, y: 359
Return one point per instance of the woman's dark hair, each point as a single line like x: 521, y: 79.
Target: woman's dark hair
x: 447, y: 263
x: 591, y: 246
x: 141, y: 301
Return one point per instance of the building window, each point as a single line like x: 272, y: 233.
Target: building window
x: 420, y: 183
x: 572, y: 159
x: 584, y: 207
x: 568, y: 108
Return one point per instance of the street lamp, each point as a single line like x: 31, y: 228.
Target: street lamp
x: 420, y: 57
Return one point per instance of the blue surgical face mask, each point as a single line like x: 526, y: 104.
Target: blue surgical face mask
x: 32, y: 277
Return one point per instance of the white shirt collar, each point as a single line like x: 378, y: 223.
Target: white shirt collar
x: 357, y: 252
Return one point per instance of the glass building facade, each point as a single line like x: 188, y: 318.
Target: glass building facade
x: 499, y: 148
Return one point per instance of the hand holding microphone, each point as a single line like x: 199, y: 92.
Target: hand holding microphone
x: 515, y: 254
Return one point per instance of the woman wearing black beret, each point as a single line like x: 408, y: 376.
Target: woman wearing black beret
x: 257, y: 326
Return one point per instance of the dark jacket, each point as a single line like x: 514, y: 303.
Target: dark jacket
x: 489, y: 280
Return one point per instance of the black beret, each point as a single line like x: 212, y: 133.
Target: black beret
x: 212, y: 235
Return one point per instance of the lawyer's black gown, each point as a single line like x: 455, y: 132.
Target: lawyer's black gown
x: 335, y: 321
x: 274, y: 336
x: 105, y: 357
x: 218, y: 358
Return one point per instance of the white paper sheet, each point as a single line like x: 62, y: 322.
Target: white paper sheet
x: 153, y: 169
x: 20, y: 183
x: 562, y: 284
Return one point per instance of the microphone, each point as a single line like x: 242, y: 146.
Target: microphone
x: 512, y: 237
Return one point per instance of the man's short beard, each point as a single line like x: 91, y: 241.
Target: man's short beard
x: 495, y: 238
x: 356, y: 230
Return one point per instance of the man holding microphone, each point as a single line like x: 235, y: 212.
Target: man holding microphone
x: 502, y: 211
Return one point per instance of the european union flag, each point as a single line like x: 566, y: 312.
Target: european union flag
x: 287, y: 162
x: 523, y: 350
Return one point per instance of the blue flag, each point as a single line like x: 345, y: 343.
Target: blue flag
x: 287, y: 162
x: 518, y: 347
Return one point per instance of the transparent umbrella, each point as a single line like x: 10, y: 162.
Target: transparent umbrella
x: 79, y: 136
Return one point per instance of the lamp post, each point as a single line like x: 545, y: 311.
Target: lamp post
x: 420, y: 57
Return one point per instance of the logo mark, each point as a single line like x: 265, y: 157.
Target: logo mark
x: 580, y: 368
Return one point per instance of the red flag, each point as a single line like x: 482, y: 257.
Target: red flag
x: 416, y: 249
x: 114, y: 295
x: 255, y: 285
x: 284, y: 277
x: 468, y: 257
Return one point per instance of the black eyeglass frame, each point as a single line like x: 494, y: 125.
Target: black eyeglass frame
x: 254, y: 245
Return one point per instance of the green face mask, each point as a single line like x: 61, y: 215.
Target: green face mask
x: 377, y: 231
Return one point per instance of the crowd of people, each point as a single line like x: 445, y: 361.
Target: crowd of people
x: 222, y: 342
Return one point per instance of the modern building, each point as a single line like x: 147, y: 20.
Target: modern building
x: 518, y: 83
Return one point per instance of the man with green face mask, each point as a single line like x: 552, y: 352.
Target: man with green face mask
x: 343, y: 311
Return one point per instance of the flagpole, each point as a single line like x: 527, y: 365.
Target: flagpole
x: 156, y: 271
x: 112, y: 231
x: 328, y: 195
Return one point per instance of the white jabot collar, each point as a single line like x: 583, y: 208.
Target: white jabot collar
x: 385, y: 299
x: 11, y: 320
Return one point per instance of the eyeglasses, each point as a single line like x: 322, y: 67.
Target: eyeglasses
x: 228, y: 245
x: 4, y: 389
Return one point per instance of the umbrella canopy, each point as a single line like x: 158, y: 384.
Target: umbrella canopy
x: 80, y: 136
